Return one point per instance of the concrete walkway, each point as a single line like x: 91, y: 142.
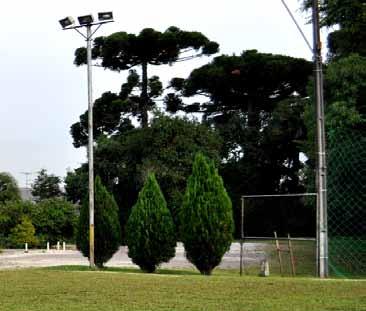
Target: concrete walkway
x: 12, y: 259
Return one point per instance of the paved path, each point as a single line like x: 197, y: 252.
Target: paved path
x: 10, y: 259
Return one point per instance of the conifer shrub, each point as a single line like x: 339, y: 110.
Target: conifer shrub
x: 206, y: 218
x: 150, y: 233
x: 106, y: 226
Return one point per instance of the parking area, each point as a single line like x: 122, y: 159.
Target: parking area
x: 12, y: 259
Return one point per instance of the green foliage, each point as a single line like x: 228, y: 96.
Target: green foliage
x: 255, y: 101
x: 11, y: 214
x: 9, y: 190
x: 76, y: 184
x: 121, y: 51
x: 55, y: 220
x: 46, y: 186
x: 23, y: 233
x: 350, y: 17
x: 150, y: 230
x: 345, y: 93
x: 107, y: 228
x: 124, y: 160
x: 206, y: 220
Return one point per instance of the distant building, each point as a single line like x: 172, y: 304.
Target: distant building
x: 26, y: 194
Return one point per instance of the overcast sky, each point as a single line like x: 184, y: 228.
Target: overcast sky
x: 43, y: 93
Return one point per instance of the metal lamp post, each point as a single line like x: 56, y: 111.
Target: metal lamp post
x: 88, y: 22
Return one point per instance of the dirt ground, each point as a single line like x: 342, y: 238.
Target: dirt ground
x: 12, y: 259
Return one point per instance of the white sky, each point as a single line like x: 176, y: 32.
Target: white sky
x: 43, y: 93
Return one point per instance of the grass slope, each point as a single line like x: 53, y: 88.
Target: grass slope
x: 69, y: 289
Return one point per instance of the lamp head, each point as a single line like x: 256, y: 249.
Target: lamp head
x: 66, y: 22
x: 105, y: 16
x: 85, y: 20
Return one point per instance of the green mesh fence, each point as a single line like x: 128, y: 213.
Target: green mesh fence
x: 283, y: 214
x: 347, y: 203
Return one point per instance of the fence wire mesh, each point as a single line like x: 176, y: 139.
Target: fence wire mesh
x: 285, y: 215
x: 347, y: 203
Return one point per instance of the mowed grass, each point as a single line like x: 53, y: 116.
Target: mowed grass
x: 75, y: 289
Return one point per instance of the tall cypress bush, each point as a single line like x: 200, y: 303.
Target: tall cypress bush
x: 150, y: 230
x: 206, y: 219
x: 107, y: 228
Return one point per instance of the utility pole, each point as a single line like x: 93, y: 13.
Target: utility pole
x: 321, y: 173
x: 26, y: 174
x: 321, y: 170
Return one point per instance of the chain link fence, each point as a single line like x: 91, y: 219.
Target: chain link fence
x: 347, y: 203
x: 265, y: 216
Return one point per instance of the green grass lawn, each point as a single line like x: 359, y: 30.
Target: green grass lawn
x: 124, y: 289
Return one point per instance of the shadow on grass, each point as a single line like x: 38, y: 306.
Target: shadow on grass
x: 122, y: 270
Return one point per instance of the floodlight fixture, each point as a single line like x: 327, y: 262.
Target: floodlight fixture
x: 67, y: 22
x: 86, y: 20
x: 105, y: 16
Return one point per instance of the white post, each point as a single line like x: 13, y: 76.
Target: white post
x: 63, y: 246
x: 264, y: 268
x: 58, y: 245
x: 48, y: 246
x: 26, y: 248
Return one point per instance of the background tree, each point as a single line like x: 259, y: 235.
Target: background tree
x: 256, y: 102
x: 23, y: 233
x: 9, y: 190
x: 167, y: 148
x: 121, y: 51
x: 150, y: 230
x: 76, y: 184
x: 11, y: 215
x: 350, y: 17
x: 54, y: 220
x: 206, y: 218
x: 46, y: 186
x: 107, y: 227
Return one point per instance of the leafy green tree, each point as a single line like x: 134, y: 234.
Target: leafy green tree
x: 350, y: 17
x: 122, y: 51
x: 9, y: 190
x: 107, y: 227
x: 256, y: 103
x: 107, y: 113
x: 46, y: 186
x: 76, y: 184
x: 166, y: 148
x: 150, y: 230
x: 23, y: 233
x: 206, y: 218
x: 55, y: 220
x: 11, y: 214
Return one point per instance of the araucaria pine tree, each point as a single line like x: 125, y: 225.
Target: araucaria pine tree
x: 150, y: 235
x: 107, y: 228
x: 206, y: 218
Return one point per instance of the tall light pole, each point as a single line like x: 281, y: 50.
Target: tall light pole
x: 88, y: 22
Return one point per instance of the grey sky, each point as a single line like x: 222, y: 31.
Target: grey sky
x: 43, y: 93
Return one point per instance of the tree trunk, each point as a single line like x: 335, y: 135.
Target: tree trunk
x: 144, y: 97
